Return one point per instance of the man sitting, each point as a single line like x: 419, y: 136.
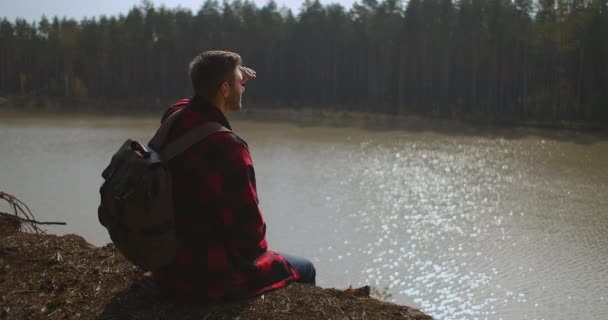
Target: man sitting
x: 223, y: 253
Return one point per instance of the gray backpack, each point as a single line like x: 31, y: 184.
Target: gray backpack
x: 136, y: 196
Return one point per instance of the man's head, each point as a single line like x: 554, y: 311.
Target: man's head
x: 219, y: 77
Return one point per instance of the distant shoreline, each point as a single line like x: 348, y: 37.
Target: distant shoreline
x: 307, y: 116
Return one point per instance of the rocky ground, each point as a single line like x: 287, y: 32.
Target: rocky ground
x: 63, y: 277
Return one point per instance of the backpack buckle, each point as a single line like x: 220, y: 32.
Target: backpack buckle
x: 140, y: 149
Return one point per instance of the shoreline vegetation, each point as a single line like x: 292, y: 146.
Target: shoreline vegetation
x: 64, y: 277
x: 523, y: 61
x: 330, y: 116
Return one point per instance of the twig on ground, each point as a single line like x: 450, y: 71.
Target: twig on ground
x: 23, y: 213
x: 33, y: 221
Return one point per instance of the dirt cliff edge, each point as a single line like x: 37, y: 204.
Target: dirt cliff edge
x: 64, y: 277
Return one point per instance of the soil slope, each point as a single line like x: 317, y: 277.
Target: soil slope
x: 64, y: 277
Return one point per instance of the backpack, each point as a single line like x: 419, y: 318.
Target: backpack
x: 136, y: 197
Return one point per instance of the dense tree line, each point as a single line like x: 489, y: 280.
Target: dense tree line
x: 509, y: 59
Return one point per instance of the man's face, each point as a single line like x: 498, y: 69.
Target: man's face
x: 233, y: 100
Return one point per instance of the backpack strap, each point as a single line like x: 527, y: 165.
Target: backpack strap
x: 184, y: 142
x: 190, y: 138
x: 163, y: 131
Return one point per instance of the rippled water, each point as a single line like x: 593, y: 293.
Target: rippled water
x: 479, y: 226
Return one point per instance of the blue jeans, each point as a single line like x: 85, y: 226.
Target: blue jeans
x: 304, y: 267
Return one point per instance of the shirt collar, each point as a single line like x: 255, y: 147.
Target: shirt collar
x: 212, y: 113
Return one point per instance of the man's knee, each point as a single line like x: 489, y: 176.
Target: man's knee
x: 314, y: 274
x: 306, y: 269
x: 310, y: 274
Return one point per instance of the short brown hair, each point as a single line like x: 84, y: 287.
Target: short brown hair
x: 209, y: 69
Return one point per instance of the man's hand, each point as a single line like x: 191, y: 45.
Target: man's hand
x: 247, y: 73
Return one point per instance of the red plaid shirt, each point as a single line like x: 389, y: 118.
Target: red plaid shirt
x: 223, y: 252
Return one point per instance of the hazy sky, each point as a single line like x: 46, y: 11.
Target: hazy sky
x: 34, y: 9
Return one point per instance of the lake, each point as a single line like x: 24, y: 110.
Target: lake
x: 484, y: 224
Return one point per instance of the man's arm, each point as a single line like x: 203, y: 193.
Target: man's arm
x: 243, y: 224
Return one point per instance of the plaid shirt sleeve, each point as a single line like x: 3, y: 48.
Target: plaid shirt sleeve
x: 245, y: 229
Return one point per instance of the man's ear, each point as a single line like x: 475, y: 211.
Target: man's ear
x: 224, y: 89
